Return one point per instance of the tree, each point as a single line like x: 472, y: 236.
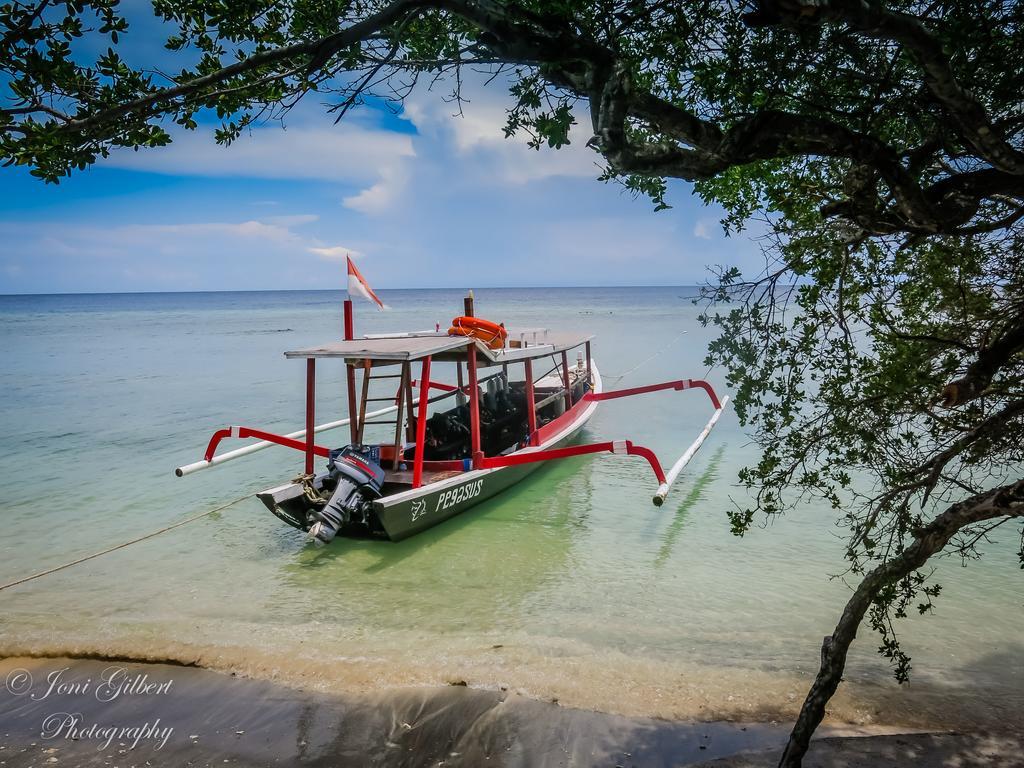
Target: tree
x: 881, y: 142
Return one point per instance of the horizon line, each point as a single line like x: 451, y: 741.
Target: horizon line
x: 341, y: 290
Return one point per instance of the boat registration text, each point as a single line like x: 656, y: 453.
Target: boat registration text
x: 459, y: 495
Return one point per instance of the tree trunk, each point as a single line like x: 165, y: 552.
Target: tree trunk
x: 1006, y: 501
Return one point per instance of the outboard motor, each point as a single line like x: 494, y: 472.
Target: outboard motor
x: 359, y: 480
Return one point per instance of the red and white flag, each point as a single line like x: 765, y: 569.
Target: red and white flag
x: 357, y: 285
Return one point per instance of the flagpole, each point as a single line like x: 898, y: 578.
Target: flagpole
x: 350, y: 373
x: 358, y: 284
x: 349, y: 327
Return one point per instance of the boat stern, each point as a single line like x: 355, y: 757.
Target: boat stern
x: 290, y: 502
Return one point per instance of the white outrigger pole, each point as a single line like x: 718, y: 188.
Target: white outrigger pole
x: 682, y: 461
x: 349, y: 327
x: 238, y: 453
x: 667, y: 480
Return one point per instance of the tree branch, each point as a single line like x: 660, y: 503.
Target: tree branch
x: 319, y: 50
x: 874, y: 21
x: 1005, y: 501
x: 992, y: 358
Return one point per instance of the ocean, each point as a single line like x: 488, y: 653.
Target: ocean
x: 571, y: 586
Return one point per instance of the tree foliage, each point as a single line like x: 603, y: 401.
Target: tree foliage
x: 879, y: 359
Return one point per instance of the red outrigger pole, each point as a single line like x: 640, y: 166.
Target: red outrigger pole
x: 627, y: 447
x: 676, y: 385
x: 611, y: 446
x: 480, y: 461
x: 259, y: 434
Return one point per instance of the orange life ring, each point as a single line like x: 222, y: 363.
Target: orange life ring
x: 491, y: 334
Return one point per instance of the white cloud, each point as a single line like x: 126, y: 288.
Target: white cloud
x: 382, y: 163
x: 346, y: 153
x: 335, y: 252
x: 252, y: 253
x: 478, y: 139
x: 702, y: 229
x: 172, y: 237
x: 379, y: 198
x: 113, y: 242
x: 479, y: 123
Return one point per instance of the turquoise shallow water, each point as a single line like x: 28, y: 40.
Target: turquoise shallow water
x: 570, y: 586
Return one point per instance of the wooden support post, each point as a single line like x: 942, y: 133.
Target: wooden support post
x: 474, y: 404
x: 565, y: 380
x: 531, y: 404
x: 403, y: 384
x: 367, y: 367
x: 590, y: 368
x: 467, y: 305
x: 310, y: 412
x: 421, y: 424
x: 410, y: 427
x: 350, y: 376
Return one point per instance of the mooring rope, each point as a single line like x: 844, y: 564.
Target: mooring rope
x: 122, y: 545
x: 646, y: 359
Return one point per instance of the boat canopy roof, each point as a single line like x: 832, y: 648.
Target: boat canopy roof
x: 522, y: 344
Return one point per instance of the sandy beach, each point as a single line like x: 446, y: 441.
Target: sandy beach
x: 110, y: 713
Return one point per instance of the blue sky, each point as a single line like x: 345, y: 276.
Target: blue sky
x: 421, y: 199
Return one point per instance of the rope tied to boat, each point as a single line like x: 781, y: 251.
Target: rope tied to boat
x: 647, y: 359
x: 124, y: 544
x: 309, y: 490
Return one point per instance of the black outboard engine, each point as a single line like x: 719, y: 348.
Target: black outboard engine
x: 359, y: 480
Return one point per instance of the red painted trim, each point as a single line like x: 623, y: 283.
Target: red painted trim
x: 310, y: 412
x: 439, y: 385
x: 349, y: 322
x: 361, y: 464
x: 259, y: 434
x: 611, y: 395
x: 531, y: 402
x: 532, y: 457
x: 676, y: 385
x: 652, y: 459
x: 387, y: 452
x: 421, y: 424
x: 474, y: 401
x: 707, y: 388
x: 555, y: 426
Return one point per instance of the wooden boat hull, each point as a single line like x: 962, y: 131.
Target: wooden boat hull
x: 407, y: 513
x: 411, y: 512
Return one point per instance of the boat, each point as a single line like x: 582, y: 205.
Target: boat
x: 517, y: 397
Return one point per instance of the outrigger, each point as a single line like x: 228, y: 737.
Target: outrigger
x: 440, y: 464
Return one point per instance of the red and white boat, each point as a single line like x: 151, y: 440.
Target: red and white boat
x: 518, y: 397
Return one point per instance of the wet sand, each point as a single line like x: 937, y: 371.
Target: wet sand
x: 110, y: 713
x: 927, y: 750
